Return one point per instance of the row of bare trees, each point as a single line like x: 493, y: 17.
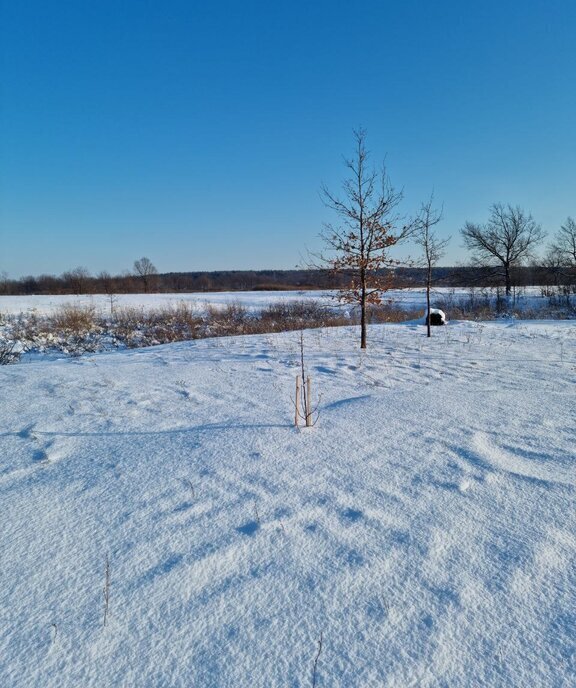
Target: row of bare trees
x: 358, y: 248
x: 80, y: 281
x: 144, y: 274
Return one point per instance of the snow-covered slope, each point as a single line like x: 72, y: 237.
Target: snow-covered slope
x: 425, y: 527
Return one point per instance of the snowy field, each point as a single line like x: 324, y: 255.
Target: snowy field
x: 410, y: 298
x: 425, y: 527
x: 45, y: 304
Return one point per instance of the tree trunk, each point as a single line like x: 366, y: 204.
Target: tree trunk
x: 362, y: 303
x: 508, y: 281
x: 362, y: 308
x: 428, y: 283
x: 363, y: 320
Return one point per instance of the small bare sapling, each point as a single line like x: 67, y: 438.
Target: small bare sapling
x: 53, y: 634
x: 314, y: 668
x: 190, y: 486
x: 303, y: 409
x: 106, y: 589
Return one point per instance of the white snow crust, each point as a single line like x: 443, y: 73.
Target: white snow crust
x: 409, y: 298
x: 425, y: 526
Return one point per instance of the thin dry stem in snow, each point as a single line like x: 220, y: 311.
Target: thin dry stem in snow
x: 106, y: 589
x: 316, y: 661
x: 189, y: 485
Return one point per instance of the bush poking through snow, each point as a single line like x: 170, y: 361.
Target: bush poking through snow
x: 76, y: 320
x: 75, y: 330
x: 9, y: 352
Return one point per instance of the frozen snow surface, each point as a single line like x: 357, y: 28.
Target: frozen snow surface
x: 44, y: 304
x: 425, y: 527
x: 409, y: 298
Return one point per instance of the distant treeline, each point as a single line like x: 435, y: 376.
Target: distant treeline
x: 80, y: 281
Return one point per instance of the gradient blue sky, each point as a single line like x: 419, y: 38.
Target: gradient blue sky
x: 199, y: 133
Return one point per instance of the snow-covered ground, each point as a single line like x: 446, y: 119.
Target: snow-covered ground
x: 425, y: 527
x: 44, y: 304
x: 410, y: 298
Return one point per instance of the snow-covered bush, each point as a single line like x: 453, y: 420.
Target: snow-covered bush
x: 436, y: 316
x: 295, y: 315
x: 231, y: 319
x: 389, y: 312
x: 74, y: 319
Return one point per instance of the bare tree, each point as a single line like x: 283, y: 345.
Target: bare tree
x: 144, y: 268
x: 555, y: 266
x: 106, y: 282
x: 432, y: 247
x: 565, y: 243
x: 110, y: 287
x: 560, y: 259
x: 506, y: 241
x: 358, y: 249
x: 77, y: 279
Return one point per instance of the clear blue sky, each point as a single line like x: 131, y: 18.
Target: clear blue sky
x: 198, y: 133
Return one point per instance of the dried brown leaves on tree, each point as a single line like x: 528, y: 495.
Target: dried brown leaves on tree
x: 358, y: 248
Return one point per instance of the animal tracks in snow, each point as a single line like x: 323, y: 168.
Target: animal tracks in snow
x: 43, y: 451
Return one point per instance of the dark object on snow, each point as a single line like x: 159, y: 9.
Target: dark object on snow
x: 437, y: 317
